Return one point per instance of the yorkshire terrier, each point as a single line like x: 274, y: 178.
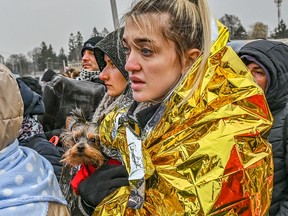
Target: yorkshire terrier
x: 81, y: 158
x: 82, y: 141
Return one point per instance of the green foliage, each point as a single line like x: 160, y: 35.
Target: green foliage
x: 281, y: 31
x: 236, y: 30
x: 44, y: 56
x: 75, y: 45
x: 95, y: 32
x: 103, y: 33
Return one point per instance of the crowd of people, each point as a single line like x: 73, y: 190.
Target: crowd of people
x: 187, y: 125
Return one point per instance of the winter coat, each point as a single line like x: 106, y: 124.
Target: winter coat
x: 32, y: 134
x: 274, y: 57
x: 18, y: 164
x: 206, y: 156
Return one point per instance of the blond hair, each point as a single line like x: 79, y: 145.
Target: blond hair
x: 188, y: 25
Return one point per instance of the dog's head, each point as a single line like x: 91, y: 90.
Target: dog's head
x: 81, y: 140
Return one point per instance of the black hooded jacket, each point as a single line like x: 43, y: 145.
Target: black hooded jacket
x: 33, y: 105
x: 274, y: 57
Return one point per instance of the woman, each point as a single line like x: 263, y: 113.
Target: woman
x: 267, y: 61
x: 192, y: 139
x: 110, y: 57
x: 111, y: 60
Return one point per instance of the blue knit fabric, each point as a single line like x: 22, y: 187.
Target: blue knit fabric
x: 27, y: 182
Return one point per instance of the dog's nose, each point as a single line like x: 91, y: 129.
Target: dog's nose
x: 80, y: 148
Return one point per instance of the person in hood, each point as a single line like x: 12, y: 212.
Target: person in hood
x: 63, y: 94
x: 267, y: 61
x: 28, y: 183
x: 193, y: 137
x: 110, y: 57
x: 32, y: 133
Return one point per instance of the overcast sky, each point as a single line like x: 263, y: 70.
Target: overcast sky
x: 26, y: 23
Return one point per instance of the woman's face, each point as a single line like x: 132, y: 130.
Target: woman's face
x: 113, y: 78
x: 152, y: 62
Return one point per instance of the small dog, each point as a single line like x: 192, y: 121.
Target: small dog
x: 82, y: 141
x: 82, y: 157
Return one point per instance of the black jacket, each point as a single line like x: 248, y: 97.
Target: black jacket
x: 274, y: 57
x: 48, y: 150
x: 33, y: 105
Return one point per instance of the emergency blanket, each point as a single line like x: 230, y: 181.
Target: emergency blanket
x: 203, y: 154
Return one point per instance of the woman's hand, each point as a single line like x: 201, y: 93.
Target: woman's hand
x: 101, y: 183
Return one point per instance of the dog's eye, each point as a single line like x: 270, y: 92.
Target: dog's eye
x: 76, y: 139
x: 93, y: 140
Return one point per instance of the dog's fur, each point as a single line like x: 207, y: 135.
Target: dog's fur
x: 82, y: 141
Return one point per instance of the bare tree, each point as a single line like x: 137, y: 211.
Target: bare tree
x: 259, y: 31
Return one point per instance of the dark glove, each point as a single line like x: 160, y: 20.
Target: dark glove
x: 101, y: 183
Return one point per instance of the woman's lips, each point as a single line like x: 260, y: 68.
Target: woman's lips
x: 136, y: 83
x: 108, y: 85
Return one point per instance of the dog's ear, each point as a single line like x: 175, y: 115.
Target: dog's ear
x: 78, y: 114
x: 70, y: 122
x: 76, y: 118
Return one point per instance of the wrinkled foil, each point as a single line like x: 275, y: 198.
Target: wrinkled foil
x: 205, y: 156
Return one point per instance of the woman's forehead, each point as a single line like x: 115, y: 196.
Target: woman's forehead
x: 147, y: 23
x: 146, y: 28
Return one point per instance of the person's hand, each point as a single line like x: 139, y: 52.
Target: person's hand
x: 101, y: 183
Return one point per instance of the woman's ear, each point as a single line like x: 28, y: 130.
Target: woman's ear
x: 191, y: 56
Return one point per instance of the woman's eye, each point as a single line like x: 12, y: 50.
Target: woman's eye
x: 126, y: 50
x: 112, y: 65
x: 146, y: 52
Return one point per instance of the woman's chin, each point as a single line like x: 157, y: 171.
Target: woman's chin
x: 139, y: 97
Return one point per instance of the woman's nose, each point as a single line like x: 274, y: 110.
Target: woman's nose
x: 132, y: 63
x: 103, y: 75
